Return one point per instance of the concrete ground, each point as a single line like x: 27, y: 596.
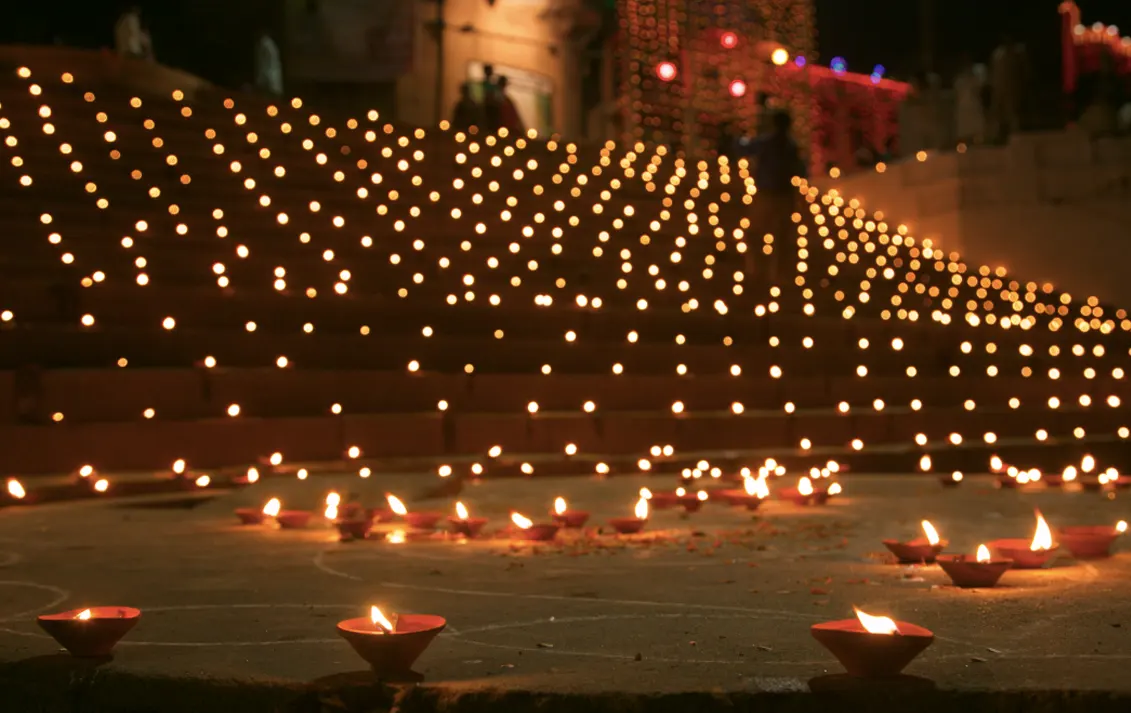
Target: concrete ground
x: 708, y: 611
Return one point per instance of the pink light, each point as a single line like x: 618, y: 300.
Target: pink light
x: 728, y: 40
x: 737, y: 88
x: 666, y: 71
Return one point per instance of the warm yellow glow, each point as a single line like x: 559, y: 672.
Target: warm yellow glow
x: 834, y: 489
x: 641, y: 509
x: 1042, y: 538
x: 876, y: 624
x: 520, y: 521
x: 805, y: 486
x: 461, y: 511
x: 15, y: 489
x: 779, y: 56
x: 983, y: 553
x: 702, y: 496
x: 379, y: 621
x: 395, y: 504
x: 203, y: 481
x: 1121, y: 526
x: 84, y: 615
x: 272, y: 508
x: 331, y: 512
x: 931, y: 532
x: 560, y: 505
x: 646, y: 493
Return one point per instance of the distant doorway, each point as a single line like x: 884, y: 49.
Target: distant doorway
x: 532, y: 94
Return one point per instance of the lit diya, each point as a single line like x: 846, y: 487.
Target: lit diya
x: 872, y: 646
x: 256, y: 516
x: 632, y: 525
x: 1028, y: 554
x: 660, y: 501
x: 690, y: 502
x: 287, y: 519
x: 565, y: 517
x: 921, y: 549
x: 391, y: 645
x: 983, y: 571
x: 526, y: 529
x: 753, y: 492
x: 463, y: 524
x: 951, y: 481
x: 351, y: 520
x: 822, y: 493
x: 1090, y: 541
x: 419, y: 520
x: 89, y: 633
x: 801, y: 495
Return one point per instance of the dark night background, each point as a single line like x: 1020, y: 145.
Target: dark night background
x: 213, y: 37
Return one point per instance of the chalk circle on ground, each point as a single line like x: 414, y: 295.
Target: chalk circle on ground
x: 59, y: 596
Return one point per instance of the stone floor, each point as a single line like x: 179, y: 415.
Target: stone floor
x: 718, y: 602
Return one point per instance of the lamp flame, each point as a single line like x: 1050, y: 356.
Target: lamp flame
x: 1121, y: 526
x: 15, y: 489
x: 520, y: 521
x: 333, y: 498
x: 750, y: 485
x: 203, y: 481
x: 646, y: 493
x: 252, y: 475
x: 1042, y: 538
x: 84, y: 615
x: 804, y: 486
x: 559, y: 505
x: 396, y: 505
x: 834, y: 489
x: 461, y: 511
x: 642, y: 509
x: 331, y: 512
x: 680, y: 492
x: 702, y: 496
x: 983, y: 553
x: 397, y: 537
x: 931, y: 532
x: 383, y: 625
x: 876, y: 624
x: 272, y: 508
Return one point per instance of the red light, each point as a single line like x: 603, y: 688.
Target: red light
x: 666, y: 71
x: 728, y: 40
x: 737, y: 88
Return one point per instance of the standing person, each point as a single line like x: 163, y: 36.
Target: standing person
x: 1007, y: 79
x: 467, y: 112
x: 509, y: 118
x: 492, y: 103
x: 778, y: 161
x: 268, y: 66
x: 970, y: 117
x: 130, y: 38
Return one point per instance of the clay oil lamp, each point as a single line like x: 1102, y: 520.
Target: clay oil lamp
x: 351, y: 520
x: 659, y: 501
x: 287, y: 519
x: 463, y: 524
x: 921, y: 549
x: 1090, y: 542
x: 391, y: 646
x: 753, y: 492
x: 981, y: 572
x: 90, y: 633
x: 565, y: 517
x: 801, y: 495
x: 425, y: 520
x: 632, y: 525
x: 256, y: 516
x: 822, y: 494
x: 1026, y: 554
x: 525, y: 529
x: 689, y: 502
x: 953, y: 480
x: 872, y: 646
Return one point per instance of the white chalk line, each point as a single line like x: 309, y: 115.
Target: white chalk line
x: 61, y: 595
x: 7, y: 559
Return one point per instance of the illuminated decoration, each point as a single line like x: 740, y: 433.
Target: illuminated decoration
x: 667, y: 71
x: 1086, y: 49
x: 728, y: 40
x: 737, y: 88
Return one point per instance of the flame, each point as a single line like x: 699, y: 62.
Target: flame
x: 1121, y: 526
x: 396, y: 537
x: 383, y: 625
x: 680, y: 492
x: 559, y: 505
x: 931, y: 532
x: 333, y: 498
x: 102, y: 485
x: 876, y: 624
x: 461, y: 511
x: 272, y: 508
x: 834, y: 489
x: 1042, y: 538
x: 646, y: 493
x: 983, y: 553
x: 522, y: 522
x: 84, y: 615
x: 642, y: 509
x: 702, y: 495
x: 15, y: 489
x: 331, y: 512
x: 396, y: 505
x: 203, y: 481
x: 1069, y: 474
x: 804, y: 486
x: 252, y: 475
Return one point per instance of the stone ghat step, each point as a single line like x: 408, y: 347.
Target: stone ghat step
x: 153, y: 445
x: 76, y: 347
x: 85, y: 395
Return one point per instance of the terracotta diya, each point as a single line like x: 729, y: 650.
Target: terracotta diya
x: 660, y: 501
x: 951, y: 481
x: 872, y: 646
x: 251, y: 516
x: 1090, y: 542
x: 1024, y: 553
x: 293, y: 519
x: 981, y: 572
x: 565, y: 517
x: 921, y: 549
x: 425, y: 520
x: 391, y: 647
x: 691, y: 502
x: 90, y: 633
x: 525, y: 529
x: 463, y: 524
x: 801, y: 495
x: 632, y: 525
